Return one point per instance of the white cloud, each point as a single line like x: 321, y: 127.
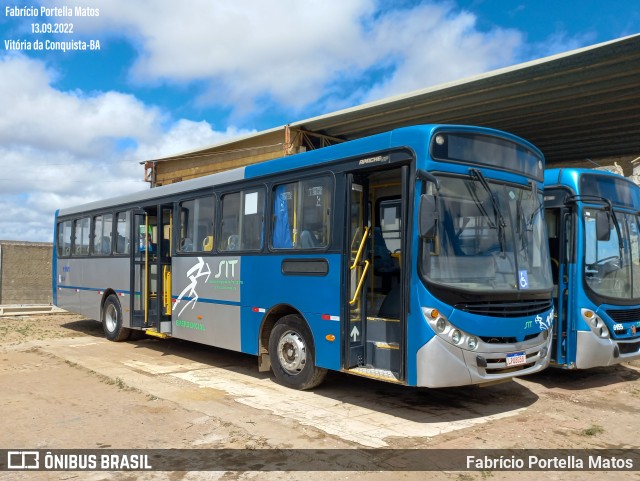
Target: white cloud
x: 295, y: 52
x: 61, y: 148
x: 436, y: 44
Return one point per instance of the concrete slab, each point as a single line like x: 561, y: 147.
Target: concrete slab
x: 368, y: 413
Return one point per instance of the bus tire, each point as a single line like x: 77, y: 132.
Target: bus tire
x: 112, y: 320
x: 292, y: 354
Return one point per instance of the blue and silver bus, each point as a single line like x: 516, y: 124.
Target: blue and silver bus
x: 594, y: 242
x: 416, y: 256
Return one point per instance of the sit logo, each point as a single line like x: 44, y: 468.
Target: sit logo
x: 227, y: 265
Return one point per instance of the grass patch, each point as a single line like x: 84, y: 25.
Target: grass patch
x: 592, y: 430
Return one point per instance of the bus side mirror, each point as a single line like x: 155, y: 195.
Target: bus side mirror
x: 428, y: 217
x: 603, y: 226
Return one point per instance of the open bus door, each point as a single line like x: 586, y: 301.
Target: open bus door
x: 559, y: 219
x: 375, y: 326
x: 151, y: 301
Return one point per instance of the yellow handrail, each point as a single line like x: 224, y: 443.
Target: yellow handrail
x: 356, y: 261
x: 146, y: 269
x: 167, y: 289
x: 360, y: 283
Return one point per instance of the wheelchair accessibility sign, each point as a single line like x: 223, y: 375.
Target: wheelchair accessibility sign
x: 523, y: 279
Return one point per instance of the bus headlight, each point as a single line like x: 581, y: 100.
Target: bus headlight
x: 456, y: 336
x: 595, y: 322
x: 445, y: 330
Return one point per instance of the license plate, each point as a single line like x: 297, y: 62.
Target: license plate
x: 516, y: 358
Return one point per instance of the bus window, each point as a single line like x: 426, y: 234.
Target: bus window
x: 64, y: 238
x: 123, y: 237
x: 252, y: 219
x: 102, y: 228
x: 81, y: 239
x: 301, y: 214
x: 196, y: 225
x: 242, y: 220
x: 390, y: 226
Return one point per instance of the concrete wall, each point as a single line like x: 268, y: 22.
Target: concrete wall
x: 25, y: 272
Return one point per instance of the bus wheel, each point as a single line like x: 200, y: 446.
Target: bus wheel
x: 112, y: 320
x: 292, y: 354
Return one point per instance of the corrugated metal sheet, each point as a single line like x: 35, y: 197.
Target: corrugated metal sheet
x: 585, y: 103
x: 580, y: 104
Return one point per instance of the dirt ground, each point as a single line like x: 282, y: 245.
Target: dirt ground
x: 51, y: 402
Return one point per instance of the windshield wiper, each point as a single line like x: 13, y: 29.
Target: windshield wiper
x: 496, y: 207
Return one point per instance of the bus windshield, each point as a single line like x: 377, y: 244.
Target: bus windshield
x: 490, y: 237
x: 612, y: 267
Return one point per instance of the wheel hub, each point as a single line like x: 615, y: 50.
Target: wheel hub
x: 292, y: 352
x: 111, y: 317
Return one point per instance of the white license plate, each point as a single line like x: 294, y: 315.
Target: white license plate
x: 516, y: 358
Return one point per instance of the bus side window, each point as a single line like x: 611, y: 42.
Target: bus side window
x: 252, y: 220
x: 81, y: 236
x: 123, y: 236
x: 196, y: 225
x: 102, y: 228
x: 301, y: 214
x: 316, y: 210
x: 242, y: 221
x: 229, y: 233
x: 64, y: 238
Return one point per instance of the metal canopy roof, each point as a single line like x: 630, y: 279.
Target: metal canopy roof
x: 580, y: 104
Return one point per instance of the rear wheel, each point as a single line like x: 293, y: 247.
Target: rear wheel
x: 292, y: 354
x: 112, y: 320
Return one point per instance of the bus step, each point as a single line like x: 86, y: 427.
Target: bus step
x: 373, y: 373
x: 383, y: 355
x: 383, y: 329
x: 153, y: 333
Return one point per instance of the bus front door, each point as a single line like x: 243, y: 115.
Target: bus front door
x: 374, y: 327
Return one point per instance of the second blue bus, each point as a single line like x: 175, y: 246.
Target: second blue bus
x: 594, y: 241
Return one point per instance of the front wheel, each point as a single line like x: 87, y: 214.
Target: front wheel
x: 292, y: 354
x: 112, y: 320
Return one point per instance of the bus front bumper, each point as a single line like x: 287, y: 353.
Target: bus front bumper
x: 594, y: 351
x: 441, y: 364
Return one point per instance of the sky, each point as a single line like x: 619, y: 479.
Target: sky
x: 126, y: 81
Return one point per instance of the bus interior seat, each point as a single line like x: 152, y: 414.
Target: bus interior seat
x: 233, y: 242
x: 207, y: 243
x: 106, y: 245
x: 384, y: 265
x: 390, y: 307
x: 166, y: 248
x: 186, y: 245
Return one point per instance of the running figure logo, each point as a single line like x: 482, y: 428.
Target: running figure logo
x: 193, y: 274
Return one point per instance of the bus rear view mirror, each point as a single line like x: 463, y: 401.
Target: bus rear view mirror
x: 603, y: 226
x: 428, y: 221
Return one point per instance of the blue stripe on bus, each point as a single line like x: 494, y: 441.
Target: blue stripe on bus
x: 94, y: 289
x: 211, y: 301
x: 188, y: 299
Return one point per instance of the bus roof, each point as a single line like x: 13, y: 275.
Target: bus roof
x: 405, y: 136
x: 571, y: 176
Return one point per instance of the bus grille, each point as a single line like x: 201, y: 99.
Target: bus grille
x: 506, y: 308
x: 624, y: 315
x: 629, y: 347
